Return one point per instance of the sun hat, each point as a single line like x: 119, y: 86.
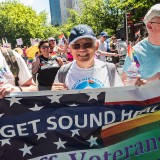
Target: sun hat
x: 51, y: 39
x: 153, y: 12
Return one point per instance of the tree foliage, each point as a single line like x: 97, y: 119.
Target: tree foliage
x: 138, y: 8
x: 20, y: 21
x: 99, y: 14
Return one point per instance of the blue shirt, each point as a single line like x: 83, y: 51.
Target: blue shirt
x: 148, y: 56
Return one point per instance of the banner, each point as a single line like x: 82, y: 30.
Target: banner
x: 93, y: 124
x: 19, y: 41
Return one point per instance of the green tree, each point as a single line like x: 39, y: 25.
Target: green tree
x: 100, y: 15
x: 138, y: 8
x: 20, y: 21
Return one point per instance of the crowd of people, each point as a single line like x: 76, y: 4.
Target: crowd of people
x: 84, y: 61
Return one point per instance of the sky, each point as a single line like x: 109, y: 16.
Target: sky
x: 38, y: 5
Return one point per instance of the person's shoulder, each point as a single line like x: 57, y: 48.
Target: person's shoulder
x: 141, y: 43
x: 66, y: 66
x: 102, y: 64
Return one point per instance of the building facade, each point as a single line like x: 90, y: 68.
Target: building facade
x: 76, y: 5
x: 55, y: 10
x: 59, y: 10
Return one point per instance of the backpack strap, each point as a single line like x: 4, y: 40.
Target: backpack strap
x: 63, y: 72
x: 111, y: 72
x: 12, y: 63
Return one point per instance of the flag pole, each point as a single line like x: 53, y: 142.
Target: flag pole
x: 126, y: 27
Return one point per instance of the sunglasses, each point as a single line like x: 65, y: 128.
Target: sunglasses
x: 83, y: 46
x: 155, y: 22
x: 45, y: 47
x: 52, y: 40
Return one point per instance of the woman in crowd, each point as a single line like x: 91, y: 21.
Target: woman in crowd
x: 45, y: 66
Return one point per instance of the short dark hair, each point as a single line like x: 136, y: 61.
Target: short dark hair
x: 42, y: 42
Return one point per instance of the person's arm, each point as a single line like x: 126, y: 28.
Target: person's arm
x: 35, y: 65
x: 57, y: 85
x: 140, y: 82
x: 60, y: 61
x: 124, y: 77
x: 106, y: 53
x: 28, y: 86
x: 65, y: 47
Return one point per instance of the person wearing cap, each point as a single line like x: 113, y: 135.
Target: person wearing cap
x: 85, y: 71
x: 103, y: 47
x: 147, y: 51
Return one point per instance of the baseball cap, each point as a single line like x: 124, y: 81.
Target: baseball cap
x: 153, y: 12
x: 81, y: 31
x: 104, y: 34
x: 51, y: 39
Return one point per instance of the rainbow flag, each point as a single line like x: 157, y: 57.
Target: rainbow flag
x: 132, y: 55
x: 61, y: 36
x: 129, y: 52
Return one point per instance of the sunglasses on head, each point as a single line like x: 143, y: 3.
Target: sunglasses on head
x: 45, y: 47
x: 83, y: 46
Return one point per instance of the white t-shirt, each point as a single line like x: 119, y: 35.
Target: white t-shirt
x: 6, y: 77
x: 94, y: 77
x: 102, y: 47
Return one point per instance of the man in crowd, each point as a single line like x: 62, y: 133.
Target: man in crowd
x: 9, y: 82
x: 85, y: 71
x: 103, y: 47
x: 147, y: 51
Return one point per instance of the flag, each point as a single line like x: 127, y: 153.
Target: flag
x: 61, y: 36
x: 61, y: 41
x: 89, y: 124
x: 130, y: 51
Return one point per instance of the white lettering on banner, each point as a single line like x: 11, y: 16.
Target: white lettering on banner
x: 63, y: 118
x: 107, y: 117
x: 128, y: 115
x: 20, y: 129
x: 147, y: 110
x: 49, y: 121
x: 34, y: 125
x: 67, y: 122
x: 153, y: 109
x: 84, y: 121
x: 9, y: 131
x: 97, y: 120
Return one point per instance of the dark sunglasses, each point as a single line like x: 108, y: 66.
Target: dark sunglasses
x: 83, y: 46
x: 52, y: 40
x: 45, y: 47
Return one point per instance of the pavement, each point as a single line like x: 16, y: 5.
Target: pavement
x: 119, y: 69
